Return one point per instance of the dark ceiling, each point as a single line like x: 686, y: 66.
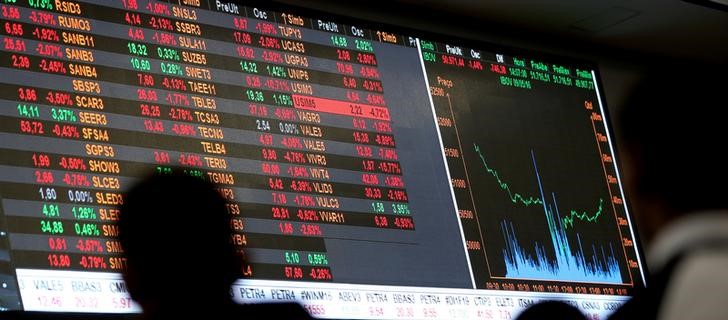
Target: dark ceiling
x: 667, y: 28
x: 663, y: 29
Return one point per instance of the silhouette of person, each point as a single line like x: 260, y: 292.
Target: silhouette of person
x: 551, y: 309
x: 673, y: 132
x: 175, y: 231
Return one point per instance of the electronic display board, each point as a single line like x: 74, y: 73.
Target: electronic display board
x: 369, y: 173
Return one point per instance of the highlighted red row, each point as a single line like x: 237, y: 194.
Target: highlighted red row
x: 340, y: 107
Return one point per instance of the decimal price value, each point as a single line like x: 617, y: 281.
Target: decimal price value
x: 59, y: 260
x: 27, y: 94
x: 28, y: 111
x: 50, y: 301
x: 292, y: 257
x: 51, y: 210
x: 47, y: 193
x: 285, y: 228
x: 11, y: 12
x: 381, y: 221
x: 13, y: 29
x: 372, y: 193
x: 52, y: 227
x: 57, y: 244
x: 405, y: 312
x: 41, y: 160
x: 280, y: 213
x: 376, y: 311
x: 293, y: 272
x: 31, y: 127
x: 378, y: 207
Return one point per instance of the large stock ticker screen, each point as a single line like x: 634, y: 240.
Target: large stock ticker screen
x: 370, y: 173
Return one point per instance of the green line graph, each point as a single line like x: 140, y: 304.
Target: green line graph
x: 515, y: 197
x: 584, y: 216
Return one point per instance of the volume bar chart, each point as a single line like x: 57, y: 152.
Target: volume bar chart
x: 557, y: 259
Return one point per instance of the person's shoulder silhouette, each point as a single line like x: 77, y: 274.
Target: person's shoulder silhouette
x: 175, y: 231
x: 672, y: 132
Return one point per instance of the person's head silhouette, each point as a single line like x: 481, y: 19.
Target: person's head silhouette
x: 175, y: 230
x: 551, y: 309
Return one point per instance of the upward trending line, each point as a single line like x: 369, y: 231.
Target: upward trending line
x: 583, y: 216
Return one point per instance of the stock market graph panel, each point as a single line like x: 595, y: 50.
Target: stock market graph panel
x: 533, y: 173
